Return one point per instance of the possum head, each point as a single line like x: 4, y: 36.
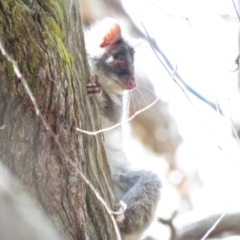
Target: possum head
x: 113, y: 61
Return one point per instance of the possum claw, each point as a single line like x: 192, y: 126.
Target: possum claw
x: 93, y: 88
x: 119, y: 210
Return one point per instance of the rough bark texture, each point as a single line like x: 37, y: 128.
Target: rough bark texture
x: 46, y: 40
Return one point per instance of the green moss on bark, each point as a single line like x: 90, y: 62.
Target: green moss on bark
x: 25, y: 29
x: 54, y: 36
x: 10, y: 70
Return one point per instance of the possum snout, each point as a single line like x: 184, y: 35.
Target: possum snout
x: 131, y: 83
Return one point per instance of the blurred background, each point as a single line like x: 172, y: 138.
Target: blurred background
x: 190, y: 135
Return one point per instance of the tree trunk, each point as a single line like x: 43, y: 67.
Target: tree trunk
x: 45, y: 38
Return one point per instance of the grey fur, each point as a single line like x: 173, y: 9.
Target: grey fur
x: 111, y: 110
x: 139, y: 190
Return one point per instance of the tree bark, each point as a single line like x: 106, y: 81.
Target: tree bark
x: 45, y: 38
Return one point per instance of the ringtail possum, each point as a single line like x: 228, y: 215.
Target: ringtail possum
x: 111, y: 60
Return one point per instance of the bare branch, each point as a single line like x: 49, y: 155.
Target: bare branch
x: 195, y: 231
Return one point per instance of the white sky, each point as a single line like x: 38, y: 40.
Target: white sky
x: 205, y: 54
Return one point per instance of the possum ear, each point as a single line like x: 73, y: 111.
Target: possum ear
x: 113, y: 33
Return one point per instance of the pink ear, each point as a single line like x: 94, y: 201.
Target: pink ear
x: 113, y: 34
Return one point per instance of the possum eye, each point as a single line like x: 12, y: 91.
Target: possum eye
x: 120, y: 63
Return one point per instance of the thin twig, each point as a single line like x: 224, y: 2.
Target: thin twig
x: 123, y: 122
x: 170, y: 15
x: 65, y: 155
x: 214, y: 225
x: 160, y: 60
x: 217, y: 106
x: 175, y: 70
x: 235, y: 7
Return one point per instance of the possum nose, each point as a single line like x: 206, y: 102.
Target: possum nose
x: 131, y: 83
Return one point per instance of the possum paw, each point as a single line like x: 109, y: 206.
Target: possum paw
x: 93, y: 88
x: 119, y: 210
